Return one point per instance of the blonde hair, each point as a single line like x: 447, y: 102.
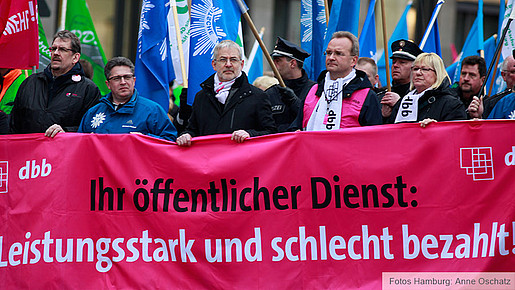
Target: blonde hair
x: 264, y: 82
x: 433, y: 61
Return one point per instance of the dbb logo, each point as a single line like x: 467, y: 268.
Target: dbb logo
x: 509, y: 158
x: 34, y: 170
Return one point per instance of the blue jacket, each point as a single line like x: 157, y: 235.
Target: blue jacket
x: 138, y: 115
x: 505, y: 108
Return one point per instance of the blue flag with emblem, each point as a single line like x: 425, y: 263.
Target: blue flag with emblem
x: 367, y: 38
x: 154, y: 68
x: 344, y: 16
x: 400, y: 32
x: 313, y: 26
x: 211, y: 22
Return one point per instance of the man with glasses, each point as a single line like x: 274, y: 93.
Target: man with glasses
x: 343, y: 97
x: 123, y: 110
x: 508, y: 75
x: 503, y: 105
x: 227, y: 103
x: 55, y: 100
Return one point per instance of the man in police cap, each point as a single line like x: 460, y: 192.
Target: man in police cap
x: 404, y: 53
x: 289, y: 59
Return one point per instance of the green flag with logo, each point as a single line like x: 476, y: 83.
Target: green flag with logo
x: 78, y: 21
x: 44, y: 52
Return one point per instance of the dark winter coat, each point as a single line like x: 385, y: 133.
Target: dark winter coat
x: 439, y: 104
x: 247, y: 108
x: 42, y: 101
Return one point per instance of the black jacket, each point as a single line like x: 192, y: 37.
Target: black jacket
x: 490, y: 102
x: 42, y: 101
x: 247, y: 108
x: 439, y: 104
x: 300, y: 86
x: 285, y: 106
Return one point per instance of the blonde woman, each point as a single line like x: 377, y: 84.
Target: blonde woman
x: 430, y: 99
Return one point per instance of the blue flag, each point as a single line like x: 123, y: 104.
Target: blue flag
x: 254, y: 65
x: 344, y: 16
x: 154, y: 68
x: 499, y: 84
x: 367, y: 38
x: 432, y: 35
x: 211, y: 22
x: 313, y: 27
x: 256, y: 68
x: 470, y: 47
x: 400, y: 32
x: 474, y: 43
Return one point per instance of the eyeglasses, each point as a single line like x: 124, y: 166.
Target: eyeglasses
x: 511, y: 72
x: 53, y: 49
x: 127, y: 78
x: 232, y: 60
x: 336, y: 53
x: 422, y: 69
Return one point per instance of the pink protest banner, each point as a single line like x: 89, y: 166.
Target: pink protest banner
x: 19, y: 45
x: 306, y: 209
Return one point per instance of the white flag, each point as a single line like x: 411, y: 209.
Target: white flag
x: 509, y: 40
x: 184, y: 28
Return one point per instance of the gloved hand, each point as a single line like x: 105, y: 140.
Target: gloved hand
x: 287, y: 95
x: 184, y: 108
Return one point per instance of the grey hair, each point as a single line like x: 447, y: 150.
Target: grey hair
x: 66, y: 34
x: 355, y: 42
x: 227, y: 44
x: 117, y: 61
x: 504, y: 66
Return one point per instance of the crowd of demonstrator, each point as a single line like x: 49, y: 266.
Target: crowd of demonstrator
x: 346, y: 94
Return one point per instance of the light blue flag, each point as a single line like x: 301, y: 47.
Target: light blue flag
x: 255, y: 69
x: 451, y: 70
x: 367, y: 38
x: 481, y: 38
x: 154, y: 68
x: 474, y: 43
x: 471, y: 47
x: 344, y: 16
x: 211, y: 22
x: 400, y: 32
x: 499, y: 84
x: 312, y: 33
x: 433, y: 40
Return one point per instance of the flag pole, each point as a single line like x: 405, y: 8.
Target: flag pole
x: 326, y: 3
x: 497, y: 50
x: 385, y: 44
x: 62, y: 23
x: 494, y: 73
x: 431, y: 23
x: 179, y: 43
x: 246, y: 15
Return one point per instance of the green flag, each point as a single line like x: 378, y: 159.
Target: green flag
x: 44, y: 52
x: 78, y: 21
